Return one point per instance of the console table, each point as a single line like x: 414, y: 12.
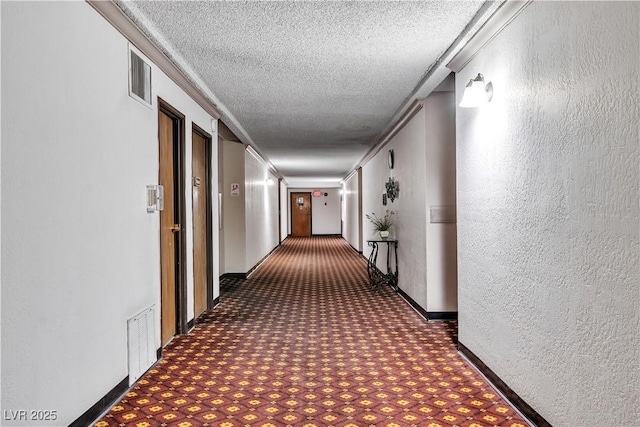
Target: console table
x: 376, y: 277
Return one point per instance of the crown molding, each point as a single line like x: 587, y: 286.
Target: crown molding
x: 492, y: 18
x: 397, y: 127
x: 348, y: 177
x: 433, y: 77
x: 249, y: 149
x: 121, y: 22
x: 491, y: 28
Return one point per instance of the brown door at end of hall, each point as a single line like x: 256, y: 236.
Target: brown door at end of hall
x: 200, y: 229
x: 301, y: 214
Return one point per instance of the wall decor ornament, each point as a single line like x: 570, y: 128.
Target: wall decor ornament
x: 393, y: 189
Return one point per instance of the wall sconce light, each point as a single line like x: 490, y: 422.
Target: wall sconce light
x: 476, y: 93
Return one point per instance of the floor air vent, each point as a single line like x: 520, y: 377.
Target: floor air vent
x: 141, y: 337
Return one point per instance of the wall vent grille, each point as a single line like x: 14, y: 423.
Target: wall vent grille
x: 140, y: 343
x: 139, y: 78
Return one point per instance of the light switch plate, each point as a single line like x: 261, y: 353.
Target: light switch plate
x: 155, y: 198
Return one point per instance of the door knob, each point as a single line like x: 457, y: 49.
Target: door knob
x: 175, y: 228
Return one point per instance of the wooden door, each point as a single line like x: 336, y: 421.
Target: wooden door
x: 301, y: 214
x: 172, y: 292
x: 201, y: 201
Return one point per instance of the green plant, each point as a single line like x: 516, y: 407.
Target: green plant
x: 384, y: 223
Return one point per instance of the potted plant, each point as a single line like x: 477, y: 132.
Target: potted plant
x: 382, y: 225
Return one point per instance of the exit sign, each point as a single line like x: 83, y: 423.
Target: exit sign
x: 317, y: 193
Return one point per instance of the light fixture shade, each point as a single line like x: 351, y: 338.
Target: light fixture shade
x: 476, y: 93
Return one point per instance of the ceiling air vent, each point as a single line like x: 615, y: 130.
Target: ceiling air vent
x: 139, y: 78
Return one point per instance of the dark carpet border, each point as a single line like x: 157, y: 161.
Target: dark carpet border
x: 255, y: 267
x: 417, y: 307
x: 251, y: 270
x: 115, y: 393
x: 429, y: 315
x: 357, y: 251
x: 192, y: 323
x: 442, y: 315
x: 102, y: 405
x: 498, y: 383
x: 233, y: 276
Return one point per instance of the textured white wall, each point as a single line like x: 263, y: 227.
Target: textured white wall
x: 440, y: 151
x: 80, y: 254
x: 548, y: 215
x: 351, y: 214
x: 424, y: 152
x: 233, y: 207
x: 261, y: 211
x: 250, y: 220
x: 325, y: 215
x: 410, y: 206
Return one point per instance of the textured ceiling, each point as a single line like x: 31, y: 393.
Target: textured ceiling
x: 311, y: 85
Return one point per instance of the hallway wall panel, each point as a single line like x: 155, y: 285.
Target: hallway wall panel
x: 261, y: 211
x: 233, y: 207
x: 424, y: 167
x: 351, y: 214
x: 410, y: 206
x: 440, y: 158
x: 548, y: 214
x: 80, y: 254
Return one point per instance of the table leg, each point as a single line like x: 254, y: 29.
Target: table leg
x: 393, y: 275
x: 371, y: 264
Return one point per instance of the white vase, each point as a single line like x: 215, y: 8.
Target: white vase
x: 384, y: 234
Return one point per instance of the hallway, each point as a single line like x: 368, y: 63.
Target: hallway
x: 305, y: 342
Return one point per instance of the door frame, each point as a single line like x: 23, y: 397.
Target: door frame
x: 181, y: 214
x: 209, y: 208
x: 310, y: 209
x: 279, y: 211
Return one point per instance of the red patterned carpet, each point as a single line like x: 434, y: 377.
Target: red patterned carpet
x: 305, y: 342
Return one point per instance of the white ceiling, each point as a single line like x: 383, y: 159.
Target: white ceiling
x: 312, y: 86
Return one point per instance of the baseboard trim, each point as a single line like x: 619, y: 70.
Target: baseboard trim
x: 159, y: 353
x: 216, y: 301
x: 429, y: 315
x: 357, y: 251
x: 511, y: 395
x: 442, y: 315
x: 251, y: 270
x: 233, y: 276
x: 190, y: 324
x: 417, y: 307
x: 89, y: 417
x: 255, y: 267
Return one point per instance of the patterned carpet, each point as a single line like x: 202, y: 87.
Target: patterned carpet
x: 306, y: 342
